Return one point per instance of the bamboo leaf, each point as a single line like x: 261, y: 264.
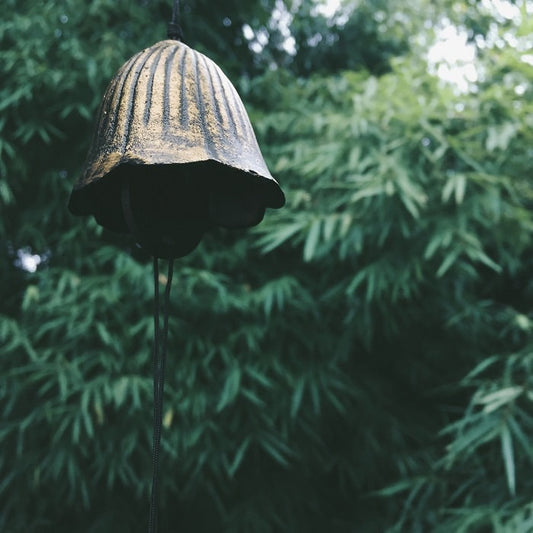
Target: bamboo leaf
x: 312, y: 239
x: 508, y: 458
x: 297, y: 396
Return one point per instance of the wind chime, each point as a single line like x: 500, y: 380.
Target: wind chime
x: 173, y: 155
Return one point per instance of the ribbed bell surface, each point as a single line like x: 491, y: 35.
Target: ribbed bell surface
x: 173, y: 138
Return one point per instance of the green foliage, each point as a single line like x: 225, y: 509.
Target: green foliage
x: 415, y: 206
x: 361, y: 361
x: 364, y: 35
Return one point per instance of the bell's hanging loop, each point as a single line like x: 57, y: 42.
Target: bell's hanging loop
x: 174, y: 28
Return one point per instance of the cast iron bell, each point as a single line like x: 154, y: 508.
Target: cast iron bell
x: 173, y: 154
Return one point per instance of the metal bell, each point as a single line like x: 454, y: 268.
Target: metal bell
x: 173, y: 154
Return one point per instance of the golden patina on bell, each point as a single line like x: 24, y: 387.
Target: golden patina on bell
x: 173, y: 154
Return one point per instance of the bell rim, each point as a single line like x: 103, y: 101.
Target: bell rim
x: 82, y: 193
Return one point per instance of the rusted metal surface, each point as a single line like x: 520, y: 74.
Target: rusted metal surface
x: 171, y: 115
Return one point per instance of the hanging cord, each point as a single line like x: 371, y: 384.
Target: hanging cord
x: 160, y: 352
x: 174, y: 30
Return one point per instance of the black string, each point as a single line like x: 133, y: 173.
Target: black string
x: 152, y: 523
x: 160, y: 352
x: 174, y: 30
